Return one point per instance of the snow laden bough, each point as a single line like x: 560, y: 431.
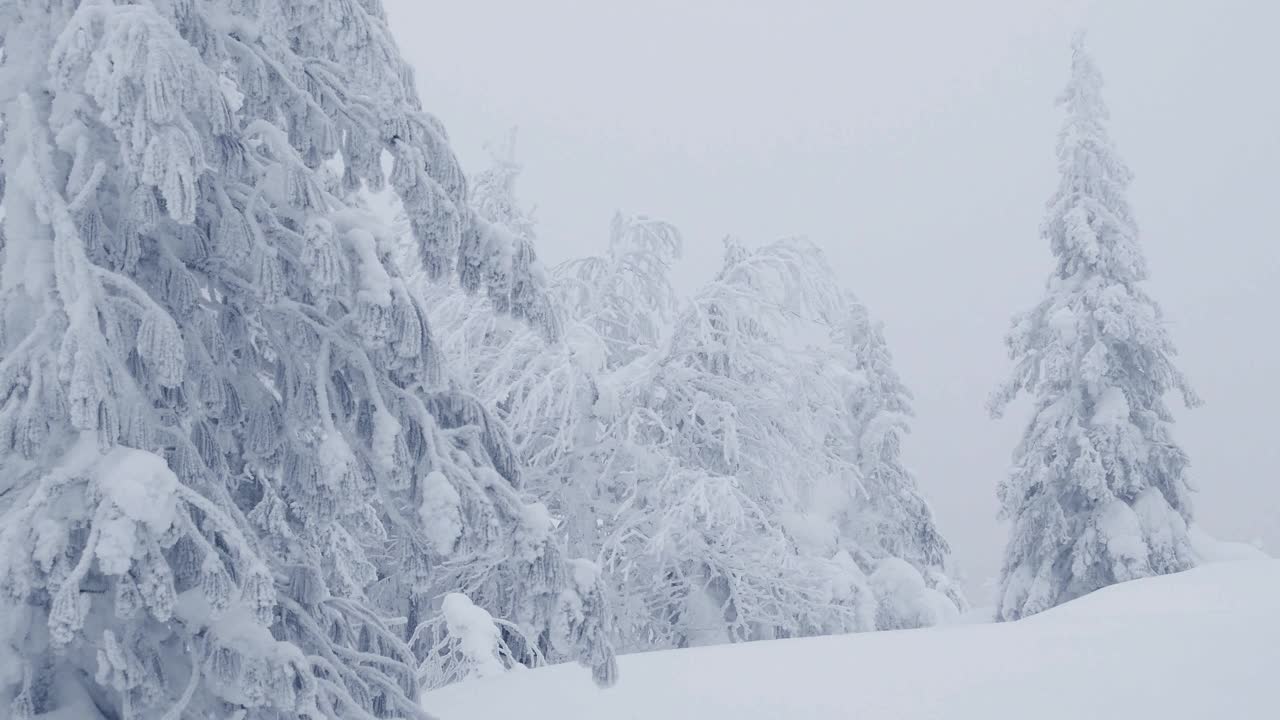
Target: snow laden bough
x: 218, y: 401
x: 549, y: 609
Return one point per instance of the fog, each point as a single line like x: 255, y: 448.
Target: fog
x: 914, y: 142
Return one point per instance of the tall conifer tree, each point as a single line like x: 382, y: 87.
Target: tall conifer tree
x: 1098, y: 492
x: 229, y: 465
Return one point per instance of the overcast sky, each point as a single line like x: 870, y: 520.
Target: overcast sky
x: 914, y: 142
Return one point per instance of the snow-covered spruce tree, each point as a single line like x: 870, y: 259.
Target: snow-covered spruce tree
x: 222, y: 420
x: 1098, y: 493
x: 891, y: 518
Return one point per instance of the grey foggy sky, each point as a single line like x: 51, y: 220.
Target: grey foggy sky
x: 914, y: 142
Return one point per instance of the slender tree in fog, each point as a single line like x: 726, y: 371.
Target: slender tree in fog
x: 230, y: 465
x: 891, y: 516
x: 1098, y: 493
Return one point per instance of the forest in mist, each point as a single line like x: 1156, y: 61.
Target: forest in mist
x: 297, y: 420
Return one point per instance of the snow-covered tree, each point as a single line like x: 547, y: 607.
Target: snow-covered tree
x: 232, y: 475
x: 741, y: 548
x: 553, y: 396
x: 626, y: 296
x: 658, y: 438
x: 560, y: 611
x: 598, y: 446
x: 891, y: 517
x: 1098, y: 493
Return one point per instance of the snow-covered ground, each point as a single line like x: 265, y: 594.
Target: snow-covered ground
x: 1201, y: 644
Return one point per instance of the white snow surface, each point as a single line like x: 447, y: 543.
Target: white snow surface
x: 1199, y: 644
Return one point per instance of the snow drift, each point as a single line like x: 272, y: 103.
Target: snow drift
x: 1203, y: 643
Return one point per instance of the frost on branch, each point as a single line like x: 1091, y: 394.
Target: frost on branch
x: 625, y: 296
x: 488, y: 540
x: 217, y: 395
x: 540, y: 391
x: 497, y: 251
x: 463, y: 642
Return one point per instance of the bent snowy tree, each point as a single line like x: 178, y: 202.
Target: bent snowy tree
x: 230, y: 468
x: 656, y: 436
x: 1099, y: 492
